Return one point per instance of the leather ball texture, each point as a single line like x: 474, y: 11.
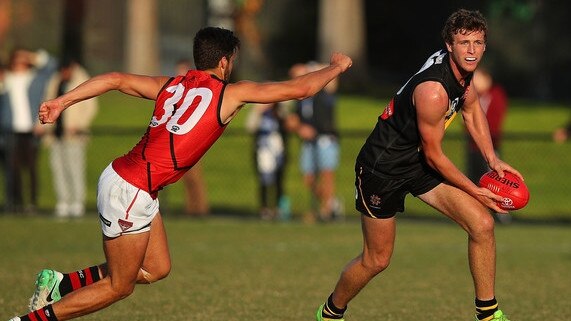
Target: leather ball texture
x: 513, y: 190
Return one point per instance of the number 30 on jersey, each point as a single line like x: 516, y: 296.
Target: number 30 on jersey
x: 172, y: 117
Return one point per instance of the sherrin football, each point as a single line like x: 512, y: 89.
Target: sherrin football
x: 513, y: 190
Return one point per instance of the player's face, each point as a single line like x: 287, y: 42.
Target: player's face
x: 466, y: 50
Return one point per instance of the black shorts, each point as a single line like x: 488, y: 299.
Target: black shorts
x: 379, y: 197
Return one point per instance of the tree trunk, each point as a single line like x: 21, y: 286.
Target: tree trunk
x: 73, y: 17
x: 342, y: 29
x: 142, y: 50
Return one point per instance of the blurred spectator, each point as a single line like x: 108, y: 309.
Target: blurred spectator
x: 3, y: 160
x: 24, y: 86
x: 267, y: 123
x: 494, y: 102
x: 314, y: 122
x: 561, y: 134
x: 195, y: 195
x: 67, y: 141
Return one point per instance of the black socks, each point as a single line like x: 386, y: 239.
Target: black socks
x: 485, y: 309
x: 330, y: 311
x: 46, y: 313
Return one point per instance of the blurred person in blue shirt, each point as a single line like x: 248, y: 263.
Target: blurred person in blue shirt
x: 315, y: 124
x: 23, y: 90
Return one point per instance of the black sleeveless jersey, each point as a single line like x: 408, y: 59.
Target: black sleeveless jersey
x: 393, y: 147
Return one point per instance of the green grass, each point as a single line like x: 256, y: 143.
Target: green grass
x: 233, y: 269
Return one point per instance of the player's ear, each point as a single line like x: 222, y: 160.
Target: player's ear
x: 223, y: 63
x: 449, y: 47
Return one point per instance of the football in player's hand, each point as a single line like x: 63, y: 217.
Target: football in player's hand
x: 513, y: 190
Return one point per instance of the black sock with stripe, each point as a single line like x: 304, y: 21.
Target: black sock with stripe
x: 78, y: 279
x: 330, y: 311
x: 486, y: 309
x: 44, y: 314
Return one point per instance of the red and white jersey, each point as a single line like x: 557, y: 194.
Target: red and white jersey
x: 185, y: 123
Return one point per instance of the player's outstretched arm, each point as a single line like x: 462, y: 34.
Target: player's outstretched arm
x: 240, y: 93
x: 134, y: 85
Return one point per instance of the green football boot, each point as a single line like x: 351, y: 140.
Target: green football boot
x: 498, y: 316
x: 319, y: 316
x: 47, y: 289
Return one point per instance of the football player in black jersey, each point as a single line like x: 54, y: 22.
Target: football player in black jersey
x: 404, y: 154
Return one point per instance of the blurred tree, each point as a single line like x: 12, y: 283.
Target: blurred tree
x: 342, y: 28
x: 529, y: 48
x: 30, y: 24
x: 5, y: 21
x: 253, y: 64
x: 530, y: 65
x: 142, y: 47
x: 72, y: 40
x: 288, y: 35
x: 219, y: 13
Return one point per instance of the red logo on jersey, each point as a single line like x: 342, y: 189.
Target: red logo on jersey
x: 389, y: 110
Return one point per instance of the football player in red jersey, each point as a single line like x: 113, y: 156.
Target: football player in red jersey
x: 191, y: 112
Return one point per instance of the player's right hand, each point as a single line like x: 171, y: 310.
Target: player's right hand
x: 50, y: 111
x: 341, y: 60
x: 490, y: 200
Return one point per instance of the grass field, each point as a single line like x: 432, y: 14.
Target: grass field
x: 227, y: 268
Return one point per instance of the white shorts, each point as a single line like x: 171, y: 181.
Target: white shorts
x: 123, y: 208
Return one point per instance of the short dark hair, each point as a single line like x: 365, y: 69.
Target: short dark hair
x: 211, y: 44
x: 463, y: 21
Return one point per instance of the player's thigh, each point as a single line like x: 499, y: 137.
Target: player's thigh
x: 458, y: 205
x: 157, y: 260
x: 125, y: 255
x: 379, y: 239
x: 123, y: 208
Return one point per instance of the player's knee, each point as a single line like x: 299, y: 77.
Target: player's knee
x: 163, y: 272
x: 121, y: 292
x: 125, y: 292
x: 484, y: 228
x: 375, y: 264
x: 157, y: 273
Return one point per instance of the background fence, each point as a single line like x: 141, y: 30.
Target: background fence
x: 232, y: 188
